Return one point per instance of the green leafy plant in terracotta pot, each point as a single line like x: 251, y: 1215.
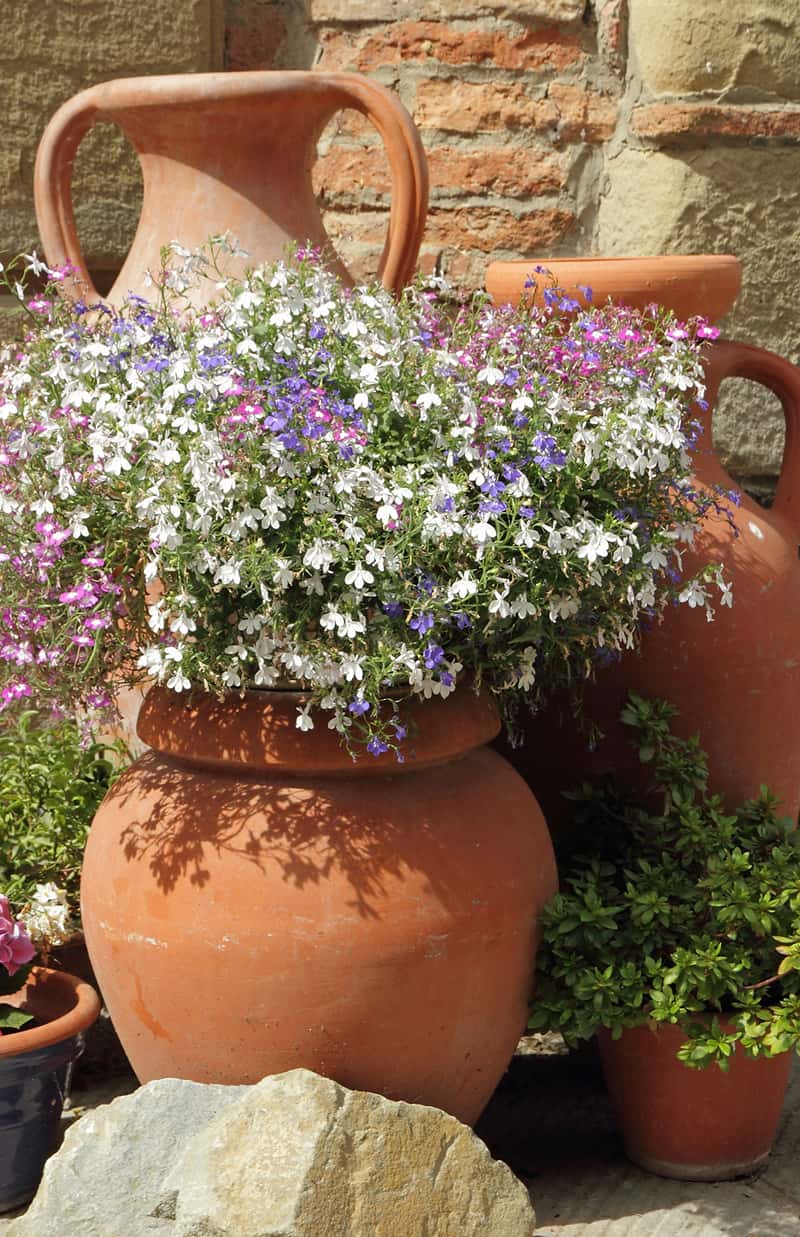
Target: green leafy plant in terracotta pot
x: 414, y: 517
x: 667, y: 940
x: 43, y: 1014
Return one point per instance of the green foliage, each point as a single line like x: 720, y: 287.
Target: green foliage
x: 673, y: 909
x: 51, y: 784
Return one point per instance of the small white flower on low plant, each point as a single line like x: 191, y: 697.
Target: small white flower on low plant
x: 48, y: 916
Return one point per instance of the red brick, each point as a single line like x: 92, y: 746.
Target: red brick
x: 582, y: 115
x: 487, y: 228
x: 387, y: 10
x: 347, y: 170
x: 512, y: 48
x: 612, y: 33
x: 469, y: 107
x: 515, y: 171
x: 676, y: 121
x: 254, y: 35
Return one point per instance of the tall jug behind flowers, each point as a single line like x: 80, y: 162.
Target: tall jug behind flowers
x: 227, y: 152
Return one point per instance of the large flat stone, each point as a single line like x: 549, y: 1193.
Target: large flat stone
x: 301, y: 1156
x: 105, y: 1180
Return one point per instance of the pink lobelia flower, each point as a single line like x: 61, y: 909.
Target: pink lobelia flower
x: 16, y: 949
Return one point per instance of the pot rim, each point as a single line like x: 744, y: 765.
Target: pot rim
x: 76, y: 1005
x: 256, y: 731
x: 657, y: 259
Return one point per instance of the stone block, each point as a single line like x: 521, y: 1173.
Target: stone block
x: 295, y: 1156
x: 106, y: 1179
x: 686, y: 46
x: 300, y: 1156
x: 722, y: 200
x: 54, y: 48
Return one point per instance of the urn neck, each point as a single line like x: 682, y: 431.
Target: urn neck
x: 257, y: 732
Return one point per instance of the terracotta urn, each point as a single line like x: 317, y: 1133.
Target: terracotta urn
x: 730, y: 678
x: 681, y: 282
x: 254, y: 901
x: 33, y: 1065
x: 228, y: 152
x: 694, y: 1125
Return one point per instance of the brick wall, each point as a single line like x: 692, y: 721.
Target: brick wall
x: 564, y: 127
x: 552, y: 127
x: 514, y: 102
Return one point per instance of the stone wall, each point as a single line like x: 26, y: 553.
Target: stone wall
x: 552, y: 127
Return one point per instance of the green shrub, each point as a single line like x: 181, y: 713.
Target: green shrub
x: 51, y: 783
x: 675, y: 907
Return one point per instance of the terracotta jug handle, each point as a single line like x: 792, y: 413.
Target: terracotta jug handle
x: 409, y: 169
x: 52, y: 188
x: 729, y: 359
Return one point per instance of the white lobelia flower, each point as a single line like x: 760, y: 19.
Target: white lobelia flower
x: 462, y: 588
x: 283, y: 574
x: 359, y: 577
x: 561, y: 607
x: 482, y: 532
x: 499, y: 605
x: 320, y: 555
x: 352, y: 667
x: 428, y: 399
x: 693, y: 595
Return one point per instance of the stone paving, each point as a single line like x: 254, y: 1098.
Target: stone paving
x: 551, y: 1121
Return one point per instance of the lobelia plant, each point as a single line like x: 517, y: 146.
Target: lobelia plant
x: 319, y: 485
x: 17, y: 955
x: 676, y: 911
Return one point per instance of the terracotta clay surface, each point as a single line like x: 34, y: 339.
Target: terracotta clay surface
x: 730, y: 678
x: 696, y: 1125
x: 685, y: 283
x: 228, y: 151
x: 255, y: 901
x: 64, y: 1004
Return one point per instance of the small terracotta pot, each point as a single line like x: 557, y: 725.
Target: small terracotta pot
x: 254, y: 901
x: 33, y: 1064
x: 685, y: 283
x: 693, y: 1125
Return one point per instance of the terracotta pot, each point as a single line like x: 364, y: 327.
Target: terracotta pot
x: 33, y: 1065
x: 695, y: 1125
x: 228, y: 151
x: 685, y: 283
x: 729, y: 678
x: 254, y: 901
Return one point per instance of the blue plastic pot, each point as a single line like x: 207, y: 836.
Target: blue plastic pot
x: 33, y: 1068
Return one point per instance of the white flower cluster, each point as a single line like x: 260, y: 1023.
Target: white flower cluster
x: 322, y: 486
x: 47, y: 916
